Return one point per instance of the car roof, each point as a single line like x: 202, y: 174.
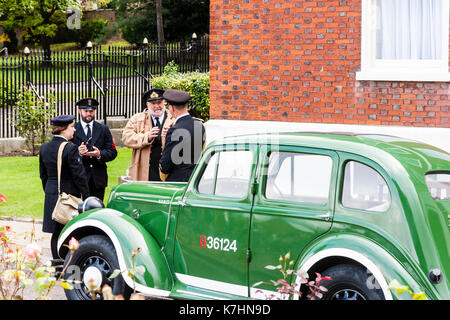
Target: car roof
x: 381, y: 148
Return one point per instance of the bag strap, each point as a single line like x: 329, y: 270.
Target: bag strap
x: 59, y: 163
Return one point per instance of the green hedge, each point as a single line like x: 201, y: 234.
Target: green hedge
x: 196, y: 83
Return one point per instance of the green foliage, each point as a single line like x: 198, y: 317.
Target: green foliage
x: 38, y: 20
x: 181, y: 18
x: 32, y: 117
x: 196, y: 83
x: 90, y: 30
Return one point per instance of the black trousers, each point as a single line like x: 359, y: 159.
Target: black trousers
x: 96, y: 192
x: 54, y: 241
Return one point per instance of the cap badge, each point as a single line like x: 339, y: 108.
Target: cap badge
x: 154, y: 95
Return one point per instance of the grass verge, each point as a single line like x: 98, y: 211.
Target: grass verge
x: 21, y: 185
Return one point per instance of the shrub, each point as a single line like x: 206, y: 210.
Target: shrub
x: 89, y: 31
x: 196, y: 83
x: 32, y: 117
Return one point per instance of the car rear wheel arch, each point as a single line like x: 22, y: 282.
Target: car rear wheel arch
x: 345, y: 265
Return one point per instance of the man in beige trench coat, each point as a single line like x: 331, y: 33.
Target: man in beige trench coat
x: 143, y: 134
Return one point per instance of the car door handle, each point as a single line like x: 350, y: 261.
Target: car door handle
x: 325, y: 216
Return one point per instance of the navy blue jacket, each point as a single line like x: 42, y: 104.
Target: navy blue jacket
x: 102, y: 139
x: 73, y: 177
x: 183, y: 148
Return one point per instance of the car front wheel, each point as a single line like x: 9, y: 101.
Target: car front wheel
x: 91, y: 266
x: 350, y: 282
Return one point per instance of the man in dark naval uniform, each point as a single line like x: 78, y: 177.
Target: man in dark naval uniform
x: 73, y: 176
x: 95, y: 145
x: 184, y: 141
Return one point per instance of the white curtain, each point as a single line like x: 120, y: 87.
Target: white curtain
x: 409, y: 29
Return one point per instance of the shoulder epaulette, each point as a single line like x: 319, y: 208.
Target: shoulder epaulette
x: 198, y: 119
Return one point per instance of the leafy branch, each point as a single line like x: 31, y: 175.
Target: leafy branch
x: 287, y: 288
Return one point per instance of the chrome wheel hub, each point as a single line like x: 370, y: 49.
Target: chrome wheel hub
x: 92, y: 277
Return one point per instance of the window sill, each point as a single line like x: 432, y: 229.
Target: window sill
x: 402, y: 76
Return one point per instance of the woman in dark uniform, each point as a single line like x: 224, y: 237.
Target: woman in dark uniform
x: 73, y: 177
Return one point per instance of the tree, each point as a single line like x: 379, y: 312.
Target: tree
x: 159, y: 23
x: 37, y: 20
x: 181, y: 18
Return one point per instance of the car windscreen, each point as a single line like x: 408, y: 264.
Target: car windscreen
x: 439, y: 185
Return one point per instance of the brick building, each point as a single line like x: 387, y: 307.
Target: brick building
x: 312, y: 61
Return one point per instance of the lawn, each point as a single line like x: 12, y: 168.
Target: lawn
x: 21, y: 185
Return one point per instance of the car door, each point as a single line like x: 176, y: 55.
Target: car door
x: 293, y: 205
x: 213, y: 224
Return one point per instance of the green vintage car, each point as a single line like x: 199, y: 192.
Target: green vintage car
x: 362, y: 209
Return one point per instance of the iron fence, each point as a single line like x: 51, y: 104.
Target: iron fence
x: 117, y: 77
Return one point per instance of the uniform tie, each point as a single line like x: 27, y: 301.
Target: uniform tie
x: 89, y: 132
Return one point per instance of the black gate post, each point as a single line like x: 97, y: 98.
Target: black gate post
x: 89, y: 61
x: 26, y: 51
x: 105, y: 87
x: 146, y: 66
x: 195, y: 50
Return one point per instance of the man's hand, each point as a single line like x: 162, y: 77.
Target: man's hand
x: 94, y: 153
x: 152, y: 134
x: 82, y: 149
x: 164, y: 132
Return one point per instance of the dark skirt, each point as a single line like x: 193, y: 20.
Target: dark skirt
x: 51, y: 197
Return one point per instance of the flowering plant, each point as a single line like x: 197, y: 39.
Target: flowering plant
x: 286, y: 287
x: 3, y: 198
x: 20, y: 268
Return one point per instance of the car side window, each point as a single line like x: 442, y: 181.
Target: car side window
x: 299, y: 177
x: 227, y: 174
x: 364, y: 188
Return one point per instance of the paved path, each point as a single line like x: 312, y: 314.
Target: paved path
x: 20, y: 235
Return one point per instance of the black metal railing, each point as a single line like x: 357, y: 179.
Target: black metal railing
x: 117, y: 77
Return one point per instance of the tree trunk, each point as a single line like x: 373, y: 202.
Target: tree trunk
x: 160, y: 32
x: 12, y: 45
x: 159, y: 22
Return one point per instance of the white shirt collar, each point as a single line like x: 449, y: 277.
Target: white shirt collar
x: 183, y: 115
x: 57, y: 135
x: 161, y: 118
x: 84, y: 124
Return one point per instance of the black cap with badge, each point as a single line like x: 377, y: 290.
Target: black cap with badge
x: 151, y: 95
x: 87, y: 104
x: 62, y: 120
x: 154, y: 94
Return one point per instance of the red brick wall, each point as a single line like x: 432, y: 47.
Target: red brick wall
x: 287, y: 60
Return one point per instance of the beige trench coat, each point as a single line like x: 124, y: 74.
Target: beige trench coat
x: 134, y: 136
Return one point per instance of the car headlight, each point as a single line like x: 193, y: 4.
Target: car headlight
x: 89, y: 204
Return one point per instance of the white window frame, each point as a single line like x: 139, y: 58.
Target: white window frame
x: 399, y: 70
